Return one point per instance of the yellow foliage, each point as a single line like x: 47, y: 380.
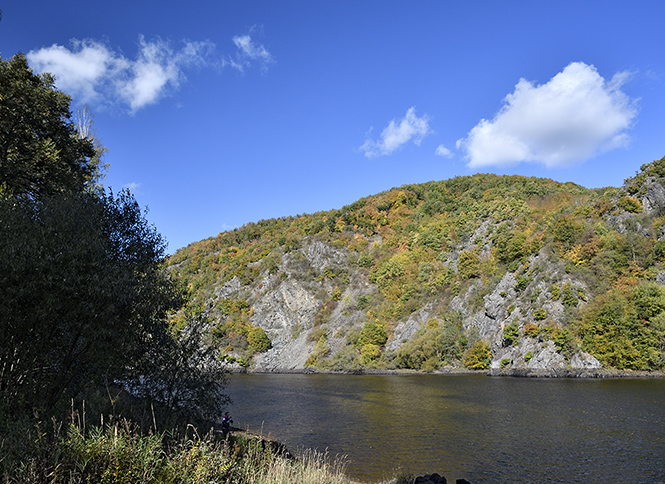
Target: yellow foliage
x: 574, y: 255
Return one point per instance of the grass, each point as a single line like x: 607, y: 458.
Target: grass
x: 119, y: 453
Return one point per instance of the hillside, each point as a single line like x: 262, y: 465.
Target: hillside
x: 484, y: 271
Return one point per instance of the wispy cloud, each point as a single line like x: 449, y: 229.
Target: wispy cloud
x: 441, y: 150
x: 248, y: 53
x: 132, y: 186
x: 94, y: 73
x: 397, y: 133
x: 569, y: 119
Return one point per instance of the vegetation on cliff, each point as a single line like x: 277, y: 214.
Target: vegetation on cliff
x: 425, y: 245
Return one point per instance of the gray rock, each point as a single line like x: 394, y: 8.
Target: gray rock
x: 584, y: 361
x: 660, y: 278
x: 495, y: 303
x: 653, y: 201
x: 406, y: 329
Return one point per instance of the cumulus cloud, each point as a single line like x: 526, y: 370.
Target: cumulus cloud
x: 443, y: 151
x: 81, y: 70
x: 572, y: 117
x: 94, y: 73
x: 410, y: 127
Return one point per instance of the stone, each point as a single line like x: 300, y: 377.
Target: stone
x: 660, y: 278
x: 584, y: 361
x: 653, y: 200
x: 406, y: 329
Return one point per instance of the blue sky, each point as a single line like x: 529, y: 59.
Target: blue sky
x: 216, y: 114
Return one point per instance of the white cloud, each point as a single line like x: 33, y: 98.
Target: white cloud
x: 157, y: 68
x: 92, y: 72
x: 248, y: 52
x: 569, y: 119
x: 443, y: 151
x: 396, y: 134
x: 81, y: 71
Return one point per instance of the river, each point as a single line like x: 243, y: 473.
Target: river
x: 484, y: 429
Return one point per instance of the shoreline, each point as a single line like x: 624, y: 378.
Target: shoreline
x: 609, y: 373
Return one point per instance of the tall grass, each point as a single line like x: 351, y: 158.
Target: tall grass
x: 119, y: 453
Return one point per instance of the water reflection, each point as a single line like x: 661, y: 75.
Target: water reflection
x: 484, y: 429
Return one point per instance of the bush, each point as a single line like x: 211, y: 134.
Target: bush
x: 531, y: 330
x: 630, y: 204
x: 625, y: 327
x: 511, y: 334
x: 468, y: 264
x: 369, y: 353
x: 539, y: 314
x: 564, y: 341
x: 478, y: 357
x: 258, y: 340
x: 372, y: 334
x: 431, y: 346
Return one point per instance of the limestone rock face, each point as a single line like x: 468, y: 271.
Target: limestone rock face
x: 653, y: 201
x: 583, y: 361
x: 495, y: 303
x: 406, y: 329
x: 286, y: 306
x: 321, y: 255
x: 296, y: 299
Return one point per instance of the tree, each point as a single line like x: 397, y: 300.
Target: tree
x: 41, y: 151
x: 83, y: 120
x: 624, y: 327
x: 478, y: 357
x: 183, y: 373
x: 83, y: 294
x: 468, y: 264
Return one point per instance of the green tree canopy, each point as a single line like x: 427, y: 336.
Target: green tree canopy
x: 41, y: 151
x: 83, y: 293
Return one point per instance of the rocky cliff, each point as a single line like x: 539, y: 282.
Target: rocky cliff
x: 422, y: 276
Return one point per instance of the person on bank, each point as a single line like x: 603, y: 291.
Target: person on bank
x: 226, y: 423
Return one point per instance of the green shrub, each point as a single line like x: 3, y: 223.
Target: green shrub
x: 372, y: 334
x: 363, y: 301
x: 258, y: 340
x: 468, y: 264
x: 625, y: 327
x: 555, y: 291
x: 478, y: 357
x: 569, y: 295
x: 365, y: 260
x: 432, y: 345
x: 564, y: 341
x: 539, y: 314
x: 522, y: 283
x: 630, y: 204
x: 369, y: 352
x: 511, y: 334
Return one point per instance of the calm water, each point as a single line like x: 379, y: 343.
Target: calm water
x: 487, y: 430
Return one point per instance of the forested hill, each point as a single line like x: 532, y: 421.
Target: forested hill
x: 482, y: 271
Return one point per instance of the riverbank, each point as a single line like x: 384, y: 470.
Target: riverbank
x: 495, y: 372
